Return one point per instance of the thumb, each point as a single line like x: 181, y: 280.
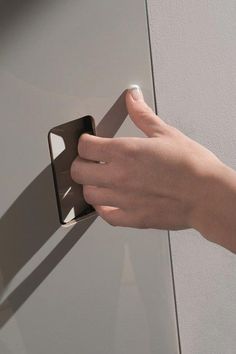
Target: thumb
x: 141, y: 114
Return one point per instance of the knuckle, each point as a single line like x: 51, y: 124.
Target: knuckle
x: 145, y: 111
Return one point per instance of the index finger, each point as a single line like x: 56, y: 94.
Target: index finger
x: 94, y: 148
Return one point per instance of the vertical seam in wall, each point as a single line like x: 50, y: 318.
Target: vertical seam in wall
x: 174, y: 292
x: 169, y: 242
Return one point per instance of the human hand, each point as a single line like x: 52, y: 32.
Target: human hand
x: 156, y: 182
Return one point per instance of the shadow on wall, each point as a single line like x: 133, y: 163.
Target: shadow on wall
x: 32, y: 220
x: 12, y: 10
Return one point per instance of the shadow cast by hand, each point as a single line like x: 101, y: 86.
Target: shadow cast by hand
x: 32, y: 219
x: 27, y: 225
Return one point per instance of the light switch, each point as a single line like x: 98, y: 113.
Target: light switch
x: 63, y: 145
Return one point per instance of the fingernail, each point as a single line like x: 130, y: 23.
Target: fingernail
x: 136, y: 92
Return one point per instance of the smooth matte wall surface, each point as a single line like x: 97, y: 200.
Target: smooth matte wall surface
x: 93, y: 288
x: 194, y: 50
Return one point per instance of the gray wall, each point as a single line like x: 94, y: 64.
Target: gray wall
x: 91, y: 289
x: 194, y: 50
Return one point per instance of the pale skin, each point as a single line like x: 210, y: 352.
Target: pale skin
x: 162, y: 181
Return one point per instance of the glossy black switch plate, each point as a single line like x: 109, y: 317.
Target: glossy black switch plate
x: 63, y: 145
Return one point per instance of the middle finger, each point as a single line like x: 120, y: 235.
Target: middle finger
x: 88, y: 172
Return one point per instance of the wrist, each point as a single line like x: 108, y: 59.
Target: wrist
x: 213, y: 214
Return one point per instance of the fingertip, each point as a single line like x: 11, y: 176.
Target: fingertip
x: 84, y: 136
x: 85, y: 140
x: 73, y: 169
x: 135, y: 93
